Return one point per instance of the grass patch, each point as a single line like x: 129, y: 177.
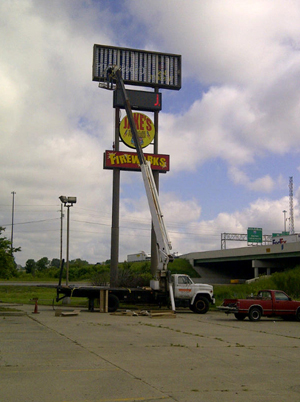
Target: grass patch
x: 182, y: 266
x: 25, y: 294
x: 288, y: 281
x: 5, y: 309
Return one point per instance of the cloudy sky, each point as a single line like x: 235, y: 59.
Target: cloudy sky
x: 232, y: 131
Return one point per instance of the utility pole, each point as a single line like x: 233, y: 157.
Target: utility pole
x: 12, y: 220
x: 154, y: 254
x: 61, y: 234
x: 115, y: 230
x: 68, y: 242
x: 68, y: 202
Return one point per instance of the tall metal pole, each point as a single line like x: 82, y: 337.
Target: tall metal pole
x: 61, y: 234
x: 154, y: 256
x: 68, y: 238
x: 68, y: 202
x: 12, y: 220
x: 114, y: 256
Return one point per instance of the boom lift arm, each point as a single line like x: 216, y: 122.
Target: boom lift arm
x: 163, y: 243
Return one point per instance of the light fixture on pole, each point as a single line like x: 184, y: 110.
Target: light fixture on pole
x: 68, y: 202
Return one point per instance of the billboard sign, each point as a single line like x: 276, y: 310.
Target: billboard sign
x: 145, y: 129
x: 283, y: 238
x: 254, y: 235
x: 139, y: 100
x: 130, y: 161
x: 138, y: 67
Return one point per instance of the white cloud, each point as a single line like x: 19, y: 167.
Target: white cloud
x: 248, y: 55
x: 228, y: 41
x: 263, y: 184
x: 206, y: 235
x: 53, y: 133
x: 218, y: 126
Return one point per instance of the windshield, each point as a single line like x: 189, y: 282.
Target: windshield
x: 184, y: 280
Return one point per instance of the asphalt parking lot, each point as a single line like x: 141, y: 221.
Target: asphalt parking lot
x: 96, y: 357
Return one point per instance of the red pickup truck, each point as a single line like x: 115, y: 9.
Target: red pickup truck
x: 268, y: 303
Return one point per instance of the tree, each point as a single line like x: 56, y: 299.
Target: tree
x: 7, y: 262
x: 42, y: 264
x: 78, y: 263
x: 30, y: 266
x: 55, y: 263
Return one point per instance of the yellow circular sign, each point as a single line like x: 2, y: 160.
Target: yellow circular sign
x: 145, y: 129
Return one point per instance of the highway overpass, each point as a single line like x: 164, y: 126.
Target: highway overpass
x: 221, y: 266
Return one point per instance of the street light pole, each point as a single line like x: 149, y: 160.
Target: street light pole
x: 68, y: 242
x: 12, y: 220
x: 68, y: 202
x: 61, y: 234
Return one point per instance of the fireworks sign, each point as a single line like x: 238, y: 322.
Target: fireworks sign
x: 130, y: 161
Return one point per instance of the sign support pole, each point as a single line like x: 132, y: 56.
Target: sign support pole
x: 154, y: 256
x: 114, y: 257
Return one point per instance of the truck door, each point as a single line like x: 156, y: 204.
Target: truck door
x: 267, y: 302
x: 283, y: 304
x: 183, y: 289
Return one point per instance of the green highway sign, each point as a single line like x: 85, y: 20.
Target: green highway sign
x: 254, y: 235
x: 280, y: 234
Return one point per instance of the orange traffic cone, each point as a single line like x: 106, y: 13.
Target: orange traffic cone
x: 35, y: 306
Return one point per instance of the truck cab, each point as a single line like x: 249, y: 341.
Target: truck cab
x: 196, y: 296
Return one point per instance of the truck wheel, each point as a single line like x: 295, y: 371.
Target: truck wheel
x: 298, y: 315
x: 201, y: 305
x: 254, y: 314
x: 240, y: 316
x: 113, y: 303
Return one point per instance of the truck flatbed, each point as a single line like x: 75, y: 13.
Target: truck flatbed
x: 140, y: 295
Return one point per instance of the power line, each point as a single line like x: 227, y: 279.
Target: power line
x: 25, y: 223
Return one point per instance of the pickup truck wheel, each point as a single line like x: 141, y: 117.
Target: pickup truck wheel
x: 254, y: 314
x: 298, y: 315
x: 240, y: 316
x: 201, y: 305
x: 113, y: 303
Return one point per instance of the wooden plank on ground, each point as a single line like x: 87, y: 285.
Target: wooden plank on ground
x: 147, y: 313
x: 163, y: 314
x: 59, y: 313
